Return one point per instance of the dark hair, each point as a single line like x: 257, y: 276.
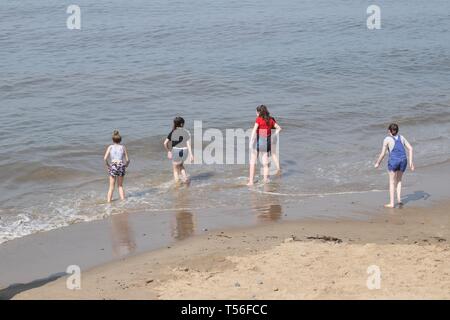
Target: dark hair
x: 264, y: 113
x: 116, y: 138
x: 393, y: 129
x: 178, y: 122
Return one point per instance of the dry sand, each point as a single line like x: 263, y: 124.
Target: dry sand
x: 284, y: 261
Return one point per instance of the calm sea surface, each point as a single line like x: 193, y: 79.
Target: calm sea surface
x: 332, y: 84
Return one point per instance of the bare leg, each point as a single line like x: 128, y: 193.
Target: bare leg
x: 276, y: 160
x: 391, y: 189
x: 253, y: 158
x: 120, y: 186
x: 176, y: 175
x: 399, y: 187
x: 112, y: 183
x: 183, y: 173
x: 265, y: 163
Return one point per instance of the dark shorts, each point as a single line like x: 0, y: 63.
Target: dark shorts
x: 117, y: 169
x: 397, y: 165
x: 264, y: 144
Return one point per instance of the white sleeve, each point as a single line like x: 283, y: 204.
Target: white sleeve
x: 386, y: 143
x: 404, y: 141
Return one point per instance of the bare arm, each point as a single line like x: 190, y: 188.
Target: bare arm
x: 191, y: 156
x: 277, y: 129
x: 253, y: 136
x: 166, y: 145
x: 410, y: 151
x: 105, y: 158
x: 382, y: 155
x: 127, y: 159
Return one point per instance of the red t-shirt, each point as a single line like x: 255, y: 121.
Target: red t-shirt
x: 264, y: 129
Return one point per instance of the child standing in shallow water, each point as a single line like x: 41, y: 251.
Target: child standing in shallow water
x: 262, y: 138
x: 178, y: 147
x: 396, y: 145
x: 118, y: 156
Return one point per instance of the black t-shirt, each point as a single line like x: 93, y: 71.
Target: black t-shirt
x: 180, y: 137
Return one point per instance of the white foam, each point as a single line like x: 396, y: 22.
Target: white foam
x: 316, y: 194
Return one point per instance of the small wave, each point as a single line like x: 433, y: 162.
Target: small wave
x: 54, y: 215
x: 427, y: 113
x: 325, y: 194
x: 437, y: 163
x: 45, y: 173
x: 424, y: 119
x: 32, y: 221
x: 419, y: 114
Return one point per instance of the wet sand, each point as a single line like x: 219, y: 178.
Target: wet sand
x: 33, y: 261
x: 307, y: 259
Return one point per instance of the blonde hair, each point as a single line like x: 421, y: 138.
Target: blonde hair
x: 116, y: 137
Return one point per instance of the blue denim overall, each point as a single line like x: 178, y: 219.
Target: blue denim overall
x: 397, y: 156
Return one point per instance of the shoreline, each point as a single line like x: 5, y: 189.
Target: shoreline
x: 339, y: 80
x: 284, y: 261
x: 124, y: 236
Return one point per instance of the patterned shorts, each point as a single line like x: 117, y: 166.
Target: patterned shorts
x: 117, y: 169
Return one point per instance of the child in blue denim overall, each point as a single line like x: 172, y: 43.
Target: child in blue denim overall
x: 396, y: 145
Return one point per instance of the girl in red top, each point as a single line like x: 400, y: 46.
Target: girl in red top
x: 262, y: 133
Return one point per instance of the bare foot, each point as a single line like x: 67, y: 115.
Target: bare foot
x: 390, y: 206
x: 250, y: 183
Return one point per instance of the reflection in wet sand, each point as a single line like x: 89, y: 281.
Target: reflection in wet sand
x: 184, y: 225
x: 267, y: 206
x: 123, y: 242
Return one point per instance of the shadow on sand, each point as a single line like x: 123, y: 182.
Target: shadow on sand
x: 416, y: 196
x: 201, y: 176
x: 14, y: 289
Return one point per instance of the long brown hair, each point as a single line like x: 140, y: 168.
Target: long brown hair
x: 178, y: 122
x: 264, y: 113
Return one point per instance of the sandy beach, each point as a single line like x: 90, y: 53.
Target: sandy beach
x: 320, y: 90
x: 311, y: 259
